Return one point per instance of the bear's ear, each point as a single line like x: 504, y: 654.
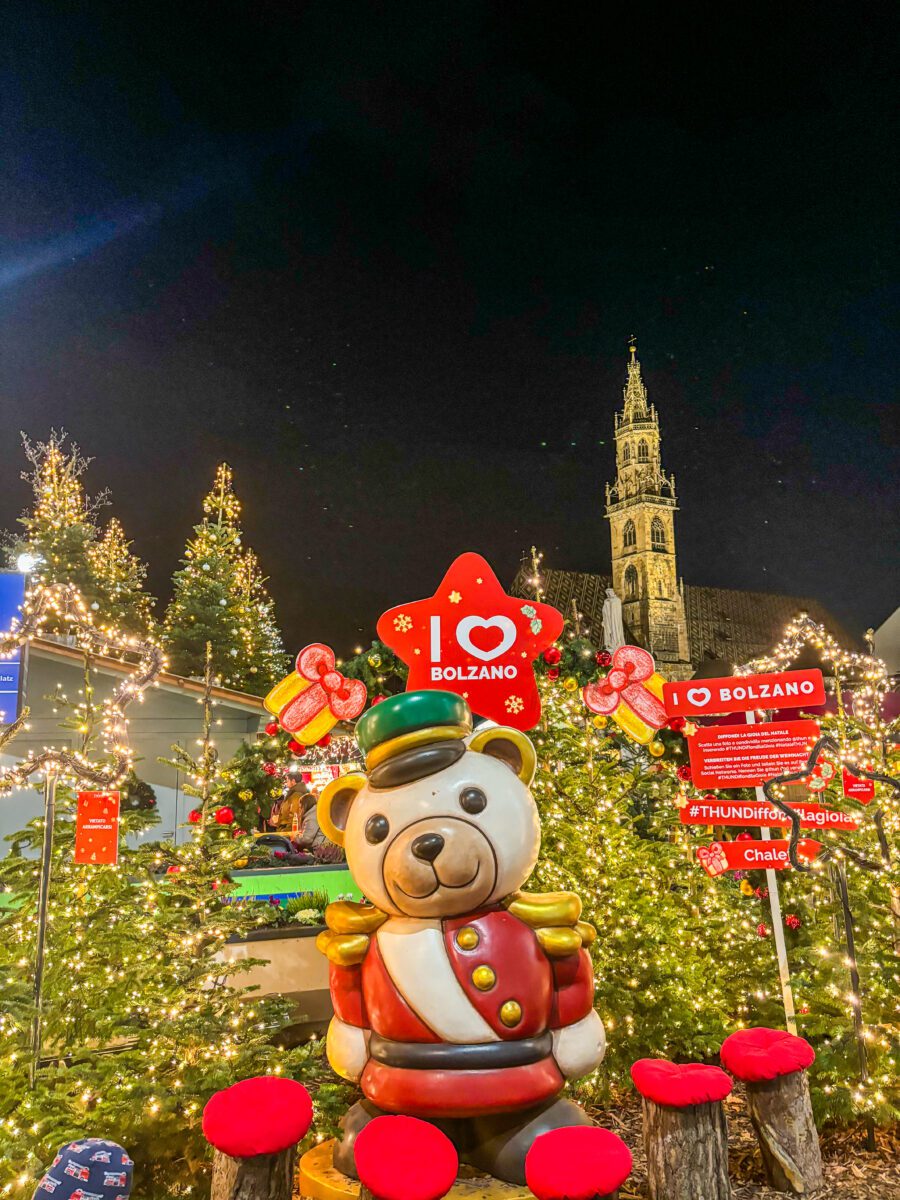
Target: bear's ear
x: 511, y: 747
x: 334, y: 805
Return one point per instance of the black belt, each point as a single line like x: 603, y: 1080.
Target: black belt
x: 447, y: 1056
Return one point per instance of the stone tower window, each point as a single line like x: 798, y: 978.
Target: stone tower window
x: 657, y: 534
x: 629, y: 536
x: 626, y: 453
x: 643, y: 451
x: 631, y: 582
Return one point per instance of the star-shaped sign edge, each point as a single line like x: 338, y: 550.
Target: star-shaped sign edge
x: 470, y: 588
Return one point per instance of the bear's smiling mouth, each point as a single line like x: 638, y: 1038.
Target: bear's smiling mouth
x: 451, y: 887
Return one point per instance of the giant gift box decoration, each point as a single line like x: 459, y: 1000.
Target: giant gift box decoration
x: 456, y: 994
x: 631, y: 694
x: 312, y: 699
x: 472, y: 638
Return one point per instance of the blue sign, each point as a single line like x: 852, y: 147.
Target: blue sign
x: 12, y: 597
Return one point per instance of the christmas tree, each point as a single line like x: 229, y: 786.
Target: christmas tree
x: 220, y: 597
x: 119, y: 577
x: 63, y: 538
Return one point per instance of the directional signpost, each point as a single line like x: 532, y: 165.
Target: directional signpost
x: 738, y: 756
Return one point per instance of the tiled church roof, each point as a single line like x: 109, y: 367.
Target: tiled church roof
x: 723, y: 623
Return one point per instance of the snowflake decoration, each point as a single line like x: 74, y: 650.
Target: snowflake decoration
x: 454, y: 597
x: 514, y: 704
x: 403, y: 623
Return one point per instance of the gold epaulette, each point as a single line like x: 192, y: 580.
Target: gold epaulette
x: 350, y: 926
x: 555, y: 919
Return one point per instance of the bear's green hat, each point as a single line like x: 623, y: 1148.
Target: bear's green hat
x: 409, y: 720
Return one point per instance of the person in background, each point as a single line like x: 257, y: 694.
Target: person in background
x: 88, y: 1167
x: 312, y: 839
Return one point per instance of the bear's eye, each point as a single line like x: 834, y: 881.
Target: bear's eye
x: 473, y: 800
x: 377, y: 829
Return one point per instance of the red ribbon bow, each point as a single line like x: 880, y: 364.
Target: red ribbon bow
x: 630, y: 667
x: 346, y: 698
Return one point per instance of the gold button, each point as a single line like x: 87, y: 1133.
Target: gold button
x: 483, y: 978
x: 467, y: 938
x: 511, y: 1013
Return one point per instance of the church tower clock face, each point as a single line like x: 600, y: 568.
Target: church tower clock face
x: 640, y: 508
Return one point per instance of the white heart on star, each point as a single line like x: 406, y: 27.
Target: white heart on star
x: 504, y: 624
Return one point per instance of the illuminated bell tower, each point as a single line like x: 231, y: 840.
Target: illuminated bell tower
x: 640, y: 508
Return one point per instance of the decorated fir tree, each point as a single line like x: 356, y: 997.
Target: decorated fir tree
x: 220, y: 597
x: 119, y: 577
x: 63, y: 538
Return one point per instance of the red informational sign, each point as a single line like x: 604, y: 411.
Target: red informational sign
x: 857, y: 788
x: 97, y: 828
x: 716, y: 811
x: 751, y: 855
x: 470, y: 637
x: 741, y: 693
x: 731, y: 756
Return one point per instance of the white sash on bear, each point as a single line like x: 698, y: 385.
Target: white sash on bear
x: 416, y: 959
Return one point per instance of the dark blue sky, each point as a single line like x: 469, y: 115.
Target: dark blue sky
x: 385, y: 259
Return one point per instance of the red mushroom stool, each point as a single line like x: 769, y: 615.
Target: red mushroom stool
x: 254, y: 1128
x: 685, y: 1135
x: 403, y: 1158
x: 580, y: 1162
x: 772, y: 1066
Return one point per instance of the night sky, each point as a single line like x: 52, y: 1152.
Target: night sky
x: 385, y: 259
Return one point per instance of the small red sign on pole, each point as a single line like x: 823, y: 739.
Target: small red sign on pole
x: 97, y: 828
x: 715, y: 811
x: 732, y: 756
x: 751, y: 855
x: 858, y: 788
x: 741, y: 693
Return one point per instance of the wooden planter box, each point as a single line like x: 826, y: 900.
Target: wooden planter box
x: 294, y: 969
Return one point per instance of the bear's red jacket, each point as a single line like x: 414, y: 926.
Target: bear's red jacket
x: 461, y: 1013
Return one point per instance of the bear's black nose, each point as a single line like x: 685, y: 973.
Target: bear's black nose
x: 428, y: 846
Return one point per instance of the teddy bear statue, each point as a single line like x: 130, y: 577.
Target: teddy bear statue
x: 458, y: 998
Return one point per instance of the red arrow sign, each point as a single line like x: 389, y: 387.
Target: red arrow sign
x: 715, y: 811
x: 741, y: 693
x: 751, y: 855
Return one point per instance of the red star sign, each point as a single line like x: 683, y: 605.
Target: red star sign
x: 470, y: 637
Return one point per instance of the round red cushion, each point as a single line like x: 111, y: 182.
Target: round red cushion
x: 754, y: 1055
x: 403, y: 1158
x: 577, y: 1163
x: 679, y: 1085
x: 258, y: 1116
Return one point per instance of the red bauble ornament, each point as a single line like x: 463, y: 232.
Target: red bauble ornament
x: 552, y: 655
x: 676, y: 724
x: 194, y: 816
x: 296, y: 747
x: 744, y: 837
x: 684, y: 773
x: 239, y: 833
x: 269, y: 768
x: 173, y: 870
x: 792, y: 921
x: 378, y: 699
x: 762, y: 930
x: 272, y: 728
x: 603, y: 658
x: 553, y: 674
x: 324, y: 741
x: 224, y: 815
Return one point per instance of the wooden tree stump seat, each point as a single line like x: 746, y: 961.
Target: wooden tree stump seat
x: 403, y: 1158
x: 254, y: 1128
x: 772, y: 1066
x: 685, y: 1135
x: 581, y: 1162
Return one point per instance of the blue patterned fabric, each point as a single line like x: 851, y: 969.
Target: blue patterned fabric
x: 89, y: 1169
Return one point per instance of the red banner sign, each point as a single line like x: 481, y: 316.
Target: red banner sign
x: 751, y: 855
x: 97, y: 828
x: 470, y: 637
x: 716, y: 811
x: 857, y: 788
x: 741, y: 693
x: 731, y: 756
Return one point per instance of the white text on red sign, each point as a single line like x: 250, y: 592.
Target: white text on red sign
x: 741, y: 693
x: 758, y: 813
